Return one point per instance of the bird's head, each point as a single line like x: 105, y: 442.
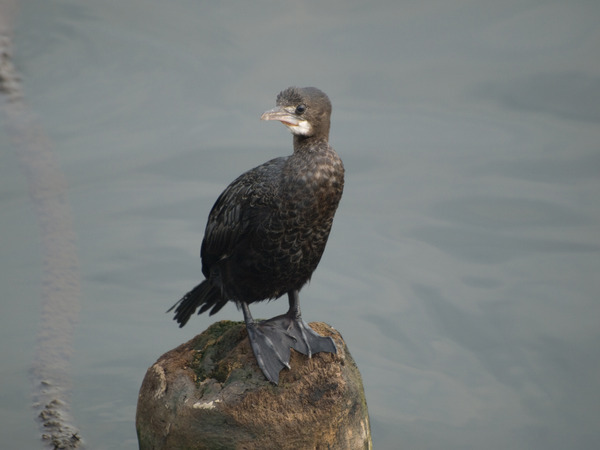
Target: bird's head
x: 305, y: 111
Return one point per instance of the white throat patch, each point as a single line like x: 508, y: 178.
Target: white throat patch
x: 303, y: 128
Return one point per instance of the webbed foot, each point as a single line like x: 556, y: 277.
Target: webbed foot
x: 272, y: 339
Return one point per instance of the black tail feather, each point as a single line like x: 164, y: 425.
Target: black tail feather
x: 205, y: 295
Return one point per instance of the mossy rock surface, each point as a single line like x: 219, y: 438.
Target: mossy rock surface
x: 210, y: 394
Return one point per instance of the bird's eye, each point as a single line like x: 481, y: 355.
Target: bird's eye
x: 300, y: 109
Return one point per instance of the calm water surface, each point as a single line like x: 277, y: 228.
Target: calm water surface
x: 463, y: 266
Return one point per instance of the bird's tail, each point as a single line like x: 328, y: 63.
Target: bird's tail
x: 205, y: 295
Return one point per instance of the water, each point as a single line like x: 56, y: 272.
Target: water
x: 462, y: 266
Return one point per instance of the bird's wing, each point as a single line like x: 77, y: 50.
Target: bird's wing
x: 238, y: 211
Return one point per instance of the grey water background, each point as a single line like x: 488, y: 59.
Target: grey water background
x: 463, y: 266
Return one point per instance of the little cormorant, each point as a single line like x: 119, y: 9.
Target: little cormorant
x: 267, y: 231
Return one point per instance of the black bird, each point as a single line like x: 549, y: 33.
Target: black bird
x: 267, y: 232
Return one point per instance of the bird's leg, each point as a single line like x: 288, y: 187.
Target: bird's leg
x: 294, y: 301
x: 290, y: 330
x: 272, y: 353
x: 306, y: 340
x: 272, y: 339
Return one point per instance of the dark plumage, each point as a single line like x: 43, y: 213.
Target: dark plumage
x: 267, y: 232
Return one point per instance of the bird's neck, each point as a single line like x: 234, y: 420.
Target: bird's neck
x: 304, y: 144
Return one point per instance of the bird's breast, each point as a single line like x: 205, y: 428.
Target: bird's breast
x: 311, y: 193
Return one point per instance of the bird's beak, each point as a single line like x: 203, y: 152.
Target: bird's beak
x: 281, y: 114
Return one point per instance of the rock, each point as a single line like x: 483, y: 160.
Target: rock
x: 210, y: 394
